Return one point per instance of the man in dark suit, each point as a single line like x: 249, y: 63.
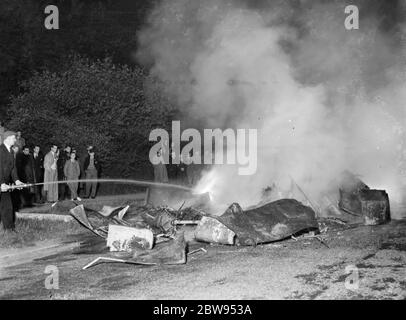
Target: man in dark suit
x: 64, y: 155
x: 38, y: 171
x: 27, y: 175
x: 92, y: 169
x: 8, y: 174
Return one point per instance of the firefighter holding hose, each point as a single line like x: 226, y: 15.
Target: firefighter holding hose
x: 8, y: 175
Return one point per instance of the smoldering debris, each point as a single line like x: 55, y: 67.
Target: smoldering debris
x: 271, y: 222
x: 145, y: 235
x: 155, y: 235
x: 159, y: 235
x: 363, y: 204
x: 173, y: 252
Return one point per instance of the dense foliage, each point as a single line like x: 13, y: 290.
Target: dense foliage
x: 57, y: 86
x: 91, y: 28
x: 93, y: 103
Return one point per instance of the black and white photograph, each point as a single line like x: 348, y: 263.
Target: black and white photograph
x: 202, y: 155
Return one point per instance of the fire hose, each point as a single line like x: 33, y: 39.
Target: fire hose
x: 12, y: 187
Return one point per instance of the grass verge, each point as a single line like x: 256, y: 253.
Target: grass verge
x: 30, y: 231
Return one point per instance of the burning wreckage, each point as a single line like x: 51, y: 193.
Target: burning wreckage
x: 155, y: 234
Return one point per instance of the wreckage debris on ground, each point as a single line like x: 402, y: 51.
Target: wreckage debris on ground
x: 151, y: 235
x: 148, y: 235
x: 365, y: 205
x: 140, y: 235
x: 271, y: 222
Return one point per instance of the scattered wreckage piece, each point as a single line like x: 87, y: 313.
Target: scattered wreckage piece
x: 356, y: 198
x: 108, y: 259
x: 197, y: 250
x: 211, y: 230
x: 165, y: 220
x: 350, y: 188
x: 64, y: 207
x: 114, y: 214
x: 129, y: 244
x: 161, y: 219
x: 311, y: 235
x: 102, y: 218
x: 123, y: 238
x: 91, y: 245
x: 375, y: 207
x: 111, y: 212
x: 167, y: 253
x: 79, y: 214
x: 171, y: 252
x: 271, y: 222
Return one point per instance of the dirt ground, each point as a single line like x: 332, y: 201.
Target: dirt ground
x: 366, y: 262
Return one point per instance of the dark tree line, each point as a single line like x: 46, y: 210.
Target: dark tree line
x: 95, y: 29
x: 79, y: 85
x: 98, y: 103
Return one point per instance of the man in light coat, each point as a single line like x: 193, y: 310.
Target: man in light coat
x: 51, y: 175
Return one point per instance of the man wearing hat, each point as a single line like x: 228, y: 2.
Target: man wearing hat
x: 92, y: 170
x: 2, y: 130
x: 8, y: 175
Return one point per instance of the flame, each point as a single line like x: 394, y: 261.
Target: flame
x: 207, y: 184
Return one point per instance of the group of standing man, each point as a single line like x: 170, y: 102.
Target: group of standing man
x: 66, y: 166
x: 19, y: 167
x: 181, y: 173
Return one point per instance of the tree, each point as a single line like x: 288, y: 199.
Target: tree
x: 94, y: 103
x: 94, y: 29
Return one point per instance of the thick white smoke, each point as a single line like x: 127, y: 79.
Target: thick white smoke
x: 324, y: 99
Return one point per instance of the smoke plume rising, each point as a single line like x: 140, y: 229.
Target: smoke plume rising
x: 324, y: 99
